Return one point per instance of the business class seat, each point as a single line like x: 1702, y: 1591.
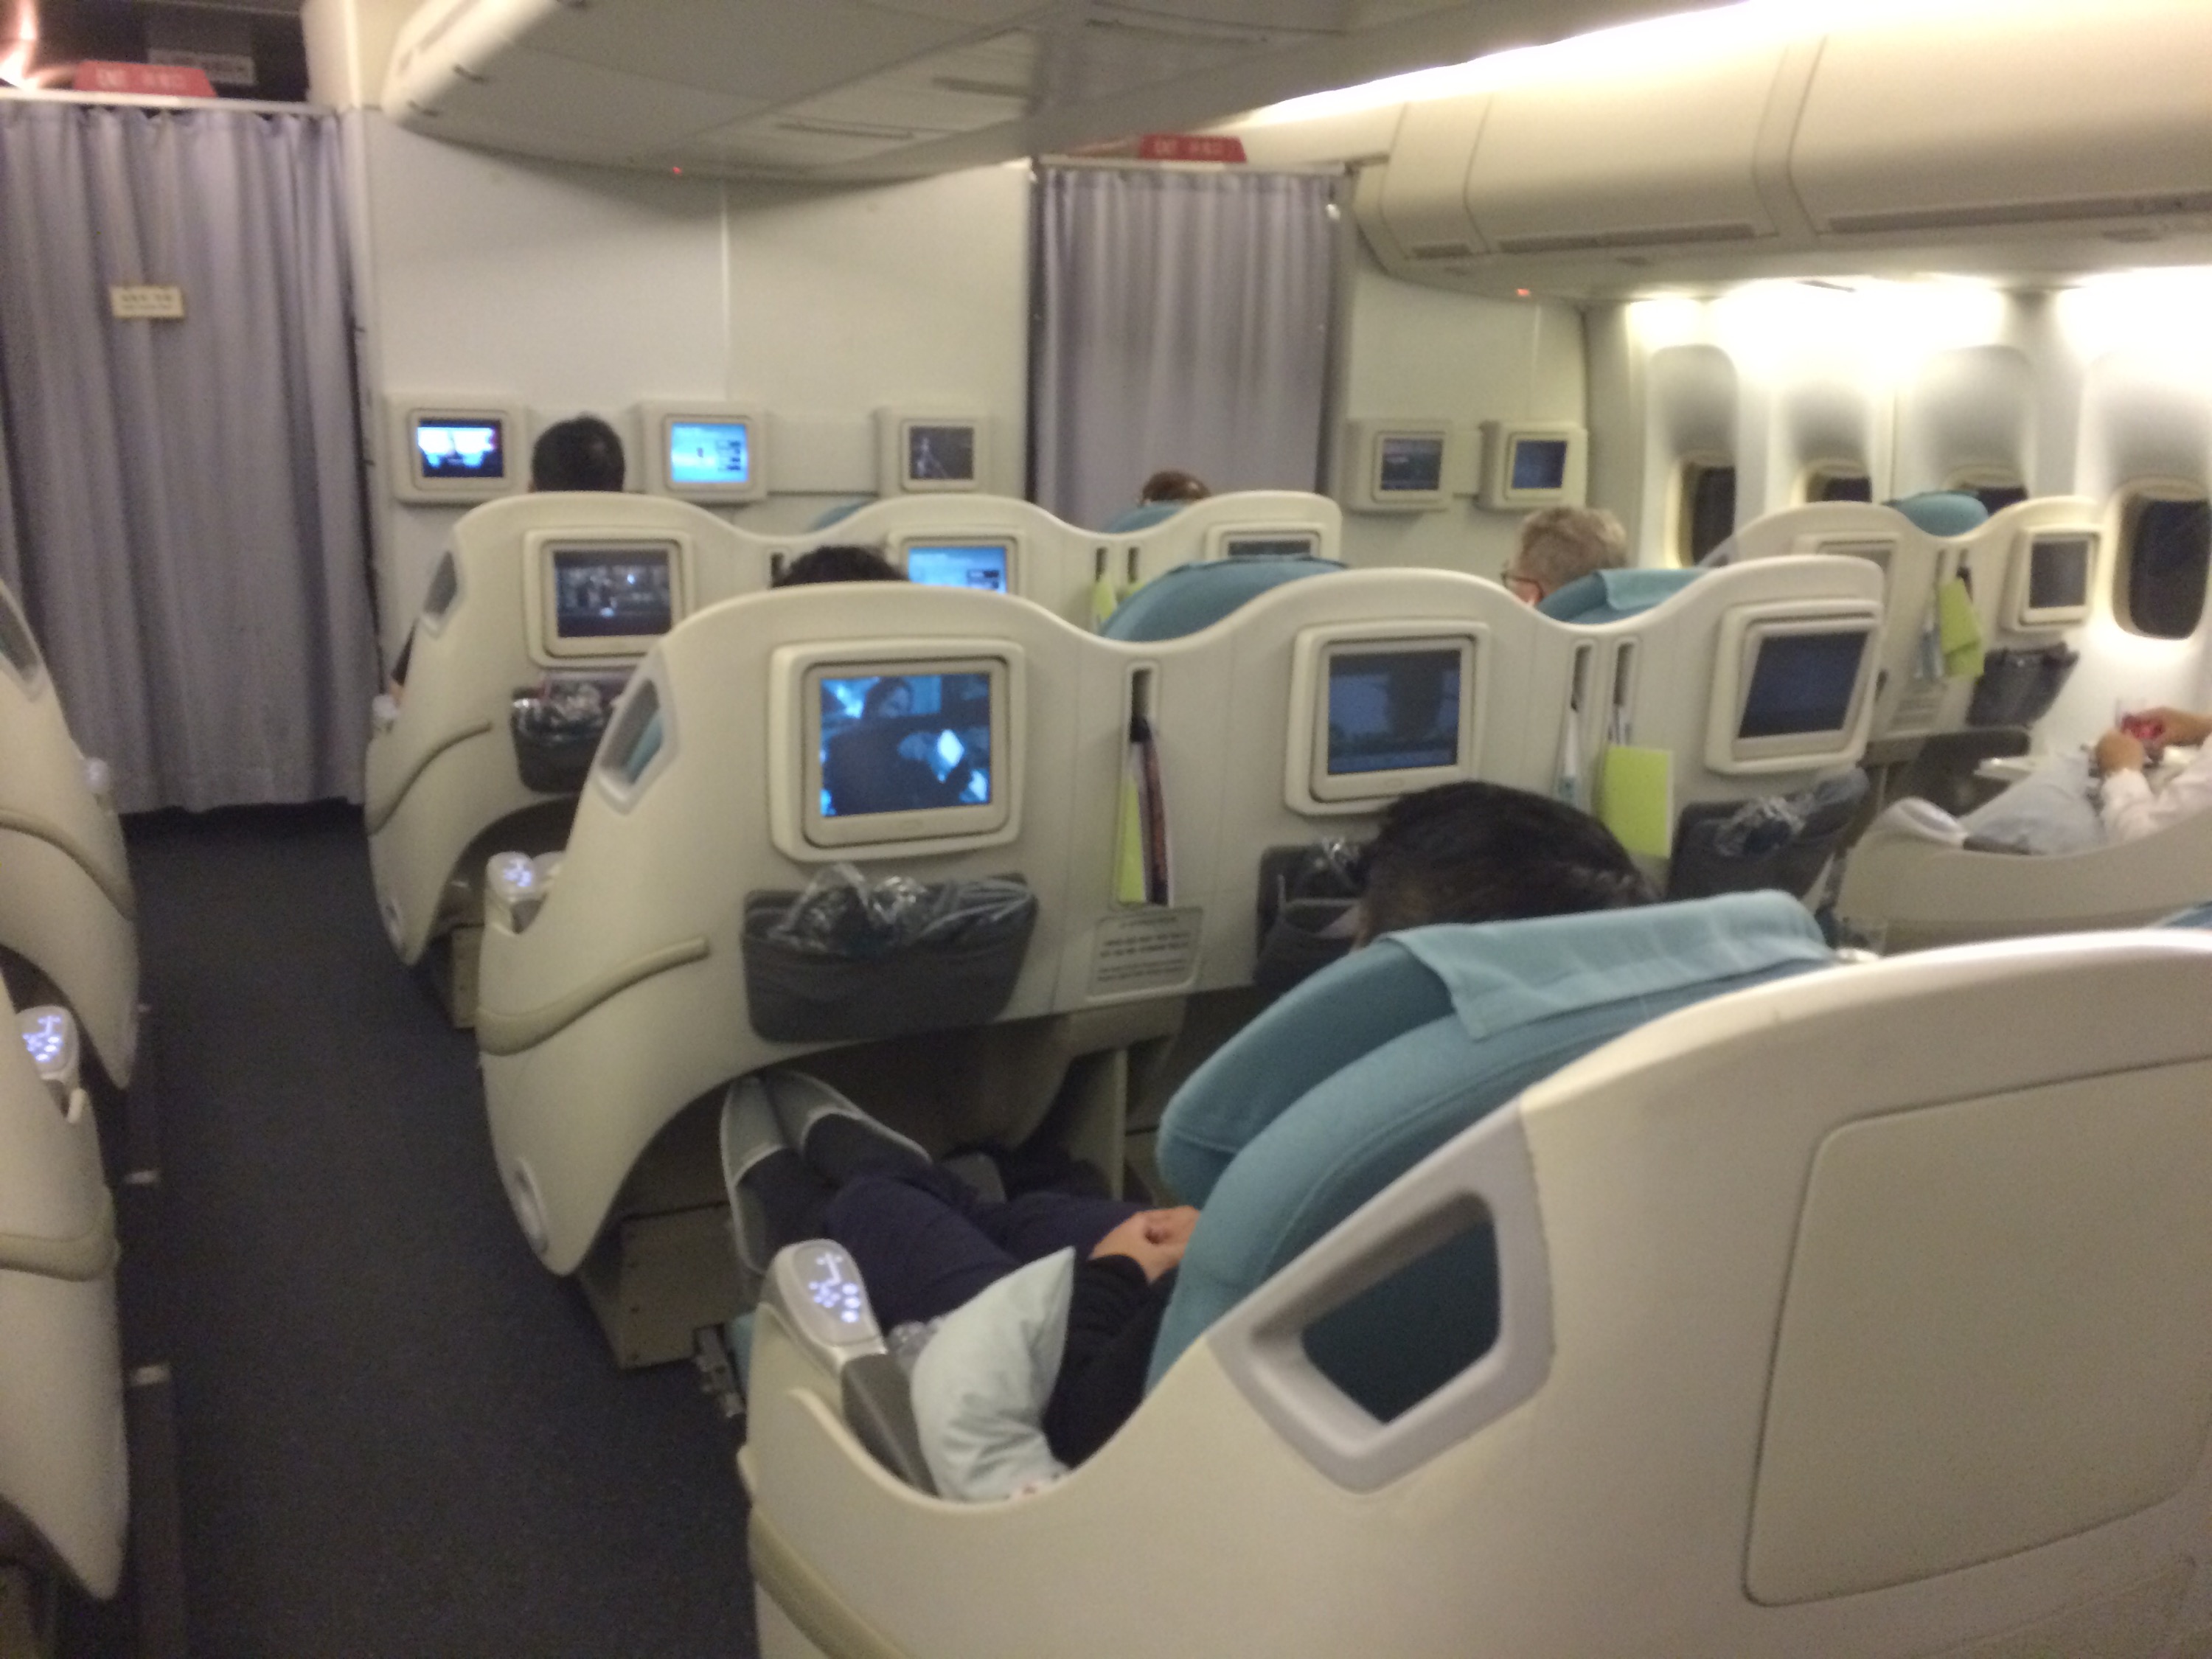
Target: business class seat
x: 1909, y: 890
x: 63, y: 1490
x: 67, y: 907
x: 1196, y: 596
x: 1605, y: 596
x: 445, y: 784
x: 1864, y: 1311
x: 1142, y: 518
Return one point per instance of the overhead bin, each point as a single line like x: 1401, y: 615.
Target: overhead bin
x: 2011, y: 117
x: 2003, y: 140
x: 1629, y: 159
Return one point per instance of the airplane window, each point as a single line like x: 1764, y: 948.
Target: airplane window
x: 1997, y: 497
x: 1845, y: 487
x: 1707, y: 509
x: 2166, y: 553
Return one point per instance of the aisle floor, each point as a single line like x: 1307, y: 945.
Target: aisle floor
x: 397, y: 1434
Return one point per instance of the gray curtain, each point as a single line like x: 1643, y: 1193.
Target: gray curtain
x: 186, y: 505
x: 1183, y: 321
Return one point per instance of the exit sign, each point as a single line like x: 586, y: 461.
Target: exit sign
x: 142, y: 80
x: 1190, y: 146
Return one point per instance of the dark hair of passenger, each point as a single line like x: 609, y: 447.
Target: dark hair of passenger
x: 1169, y: 484
x: 1481, y: 852
x: 839, y: 563
x: 581, y: 452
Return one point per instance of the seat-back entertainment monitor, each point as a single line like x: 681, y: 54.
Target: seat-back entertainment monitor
x: 904, y: 750
x: 710, y: 453
x: 459, y: 447
x: 2049, y: 586
x: 1791, y: 691
x: 1379, y: 711
x: 976, y: 564
x: 1533, y: 464
x: 707, y: 453
x: 604, y: 597
x: 1539, y: 463
x: 918, y: 451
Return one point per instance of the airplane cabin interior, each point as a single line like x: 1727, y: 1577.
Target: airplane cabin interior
x: 926, y: 829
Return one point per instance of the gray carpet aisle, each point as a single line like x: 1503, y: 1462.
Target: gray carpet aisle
x: 397, y: 1434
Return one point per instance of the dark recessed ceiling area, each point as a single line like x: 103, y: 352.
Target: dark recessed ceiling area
x: 246, y: 52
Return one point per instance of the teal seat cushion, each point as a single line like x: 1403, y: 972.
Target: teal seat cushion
x: 1192, y: 597
x: 1373, y: 1063
x: 1943, y: 512
x: 839, y: 513
x: 1605, y: 596
x: 1142, y: 518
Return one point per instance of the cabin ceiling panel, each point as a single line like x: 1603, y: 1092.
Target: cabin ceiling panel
x: 854, y: 90
x: 766, y: 50
x: 591, y: 108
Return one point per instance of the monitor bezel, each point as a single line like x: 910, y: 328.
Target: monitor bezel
x: 539, y: 549
x: 660, y: 420
x: 411, y: 483
x: 1362, y: 478
x: 1502, y: 439
x: 2020, y: 614
x: 894, y: 430
x: 796, y: 823
x: 1743, y: 633
x: 903, y: 547
x: 1308, y: 786
x: 911, y: 483
x: 1220, y: 541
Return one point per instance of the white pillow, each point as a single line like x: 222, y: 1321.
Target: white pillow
x: 980, y: 1386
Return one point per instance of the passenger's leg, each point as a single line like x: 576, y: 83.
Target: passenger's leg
x: 915, y: 1239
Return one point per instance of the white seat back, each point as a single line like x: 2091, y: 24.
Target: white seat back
x: 1868, y: 1313
x: 66, y: 901
x: 445, y: 772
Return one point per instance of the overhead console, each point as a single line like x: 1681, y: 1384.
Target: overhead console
x: 2010, y: 138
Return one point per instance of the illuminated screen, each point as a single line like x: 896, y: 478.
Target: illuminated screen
x: 1392, y: 710
x: 1269, y: 547
x: 946, y: 453
x: 709, y: 452
x: 606, y: 593
x: 1410, y: 465
x: 1801, y: 684
x: 905, y: 743
x: 2058, y: 574
x: 959, y: 564
x: 450, y: 449
x: 1540, y: 464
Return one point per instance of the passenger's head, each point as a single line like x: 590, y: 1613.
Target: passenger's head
x: 1481, y: 852
x: 1170, y: 485
x: 887, y: 699
x: 1561, y: 544
x: 579, y: 453
x: 839, y: 563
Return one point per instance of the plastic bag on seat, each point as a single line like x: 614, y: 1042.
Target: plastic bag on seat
x: 849, y: 959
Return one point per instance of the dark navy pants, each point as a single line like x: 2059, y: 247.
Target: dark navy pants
x: 926, y: 1241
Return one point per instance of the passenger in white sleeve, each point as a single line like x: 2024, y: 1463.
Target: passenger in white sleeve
x: 2130, y: 805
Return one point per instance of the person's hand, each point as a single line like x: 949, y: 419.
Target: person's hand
x: 1154, y: 1239
x: 2179, y: 726
x: 2118, y: 752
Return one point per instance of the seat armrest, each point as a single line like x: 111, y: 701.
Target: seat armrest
x: 878, y: 1407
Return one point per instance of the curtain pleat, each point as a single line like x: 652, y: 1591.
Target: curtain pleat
x: 190, y: 544
x: 1184, y: 322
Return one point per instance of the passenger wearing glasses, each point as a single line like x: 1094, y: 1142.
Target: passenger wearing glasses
x: 1561, y: 544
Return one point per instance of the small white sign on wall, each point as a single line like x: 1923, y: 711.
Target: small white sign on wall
x: 136, y: 301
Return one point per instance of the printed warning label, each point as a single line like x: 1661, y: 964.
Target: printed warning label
x: 1146, y: 951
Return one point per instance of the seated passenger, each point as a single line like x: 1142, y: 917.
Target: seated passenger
x: 2093, y: 798
x: 1172, y: 484
x: 839, y: 563
x: 926, y: 1242
x: 581, y: 452
x: 1561, y: 544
